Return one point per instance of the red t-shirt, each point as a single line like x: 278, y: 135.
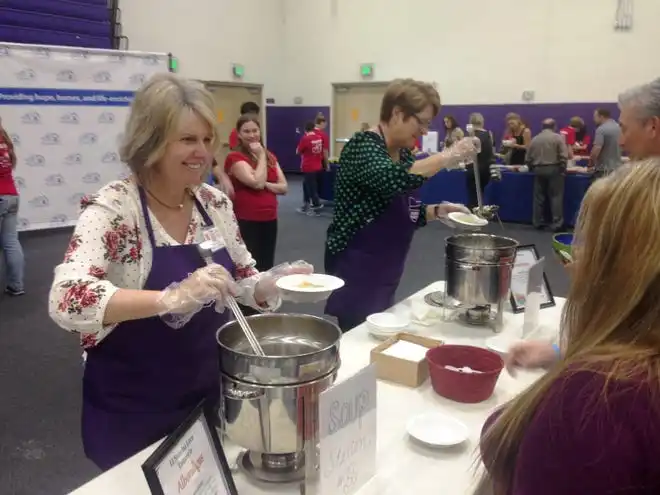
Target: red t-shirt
x: 569, y: 135
x: 233, y: 139
x: 7, y: 185
x: 586, y: 142
x: 324, y: 137
x: 258, y: 205
x: 310, y: 149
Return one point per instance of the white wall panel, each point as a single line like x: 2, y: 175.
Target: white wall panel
x: 478, y: 51
x: 207, y: 36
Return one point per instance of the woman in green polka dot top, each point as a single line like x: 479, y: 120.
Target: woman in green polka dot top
x: 377, y: 207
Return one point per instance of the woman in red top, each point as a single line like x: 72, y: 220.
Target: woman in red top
x: 9, y: 243
x: 257, y: 180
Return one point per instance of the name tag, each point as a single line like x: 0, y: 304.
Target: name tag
x: 212, y: 239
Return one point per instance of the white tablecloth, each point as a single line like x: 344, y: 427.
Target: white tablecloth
x: 403, y: 467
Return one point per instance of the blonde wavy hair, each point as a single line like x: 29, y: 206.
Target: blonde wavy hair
x: 154, y: 119
x: 611, y: 319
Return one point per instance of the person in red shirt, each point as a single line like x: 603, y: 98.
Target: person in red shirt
x: 582, y: 139
x: 577, y: 139
x: 319, y: 128
x: 258, y: 180
x: 9, y: 243
x: 247, y: 107
x: 568, y: 133
x: 312, y: 155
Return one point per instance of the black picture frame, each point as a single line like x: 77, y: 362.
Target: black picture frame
x: 516, y: 307
x: 201, y: 413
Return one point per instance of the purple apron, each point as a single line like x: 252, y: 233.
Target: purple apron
x: 145, y: 378
x: 373, y: 262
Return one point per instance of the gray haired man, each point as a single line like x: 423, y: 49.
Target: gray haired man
x: 640, y: 120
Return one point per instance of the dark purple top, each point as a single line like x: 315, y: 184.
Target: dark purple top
x: 581, y: 442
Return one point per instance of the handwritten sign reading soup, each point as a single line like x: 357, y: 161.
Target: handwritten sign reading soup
x: 347, y: 427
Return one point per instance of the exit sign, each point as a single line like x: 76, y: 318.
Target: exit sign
x: 367, y: 70
x: 238, y: 71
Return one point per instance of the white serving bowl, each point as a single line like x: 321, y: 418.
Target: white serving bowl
x: 385, y: 325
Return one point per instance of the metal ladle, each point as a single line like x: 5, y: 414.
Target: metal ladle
x: 486, y: 212
x: 207, y: 255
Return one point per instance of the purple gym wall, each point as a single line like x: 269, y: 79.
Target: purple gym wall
x: 283, y: 122
x: 285, y: 126
x: 81, y: 23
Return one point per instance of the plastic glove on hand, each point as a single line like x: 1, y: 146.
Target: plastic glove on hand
x: 182, y: 300
x: 531, y: 354
x: 446, y: 208
x: 266, y: 288
x: 462, y: 151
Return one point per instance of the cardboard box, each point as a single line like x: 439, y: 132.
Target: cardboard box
x: 402, y: 371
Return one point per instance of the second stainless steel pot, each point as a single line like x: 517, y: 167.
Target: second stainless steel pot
x: 478, y: 268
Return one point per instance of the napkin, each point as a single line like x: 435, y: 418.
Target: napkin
x: 409, y: 351
x: 424, y: 314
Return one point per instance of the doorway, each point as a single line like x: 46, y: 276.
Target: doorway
x: 352, y: 105
x: 228, y: 99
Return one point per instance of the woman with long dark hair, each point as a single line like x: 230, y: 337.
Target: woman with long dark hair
x: 258, y: 180
x: 453, y: 132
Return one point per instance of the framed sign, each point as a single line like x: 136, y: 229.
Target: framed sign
x: 190, y: 461
x: 526, y: 257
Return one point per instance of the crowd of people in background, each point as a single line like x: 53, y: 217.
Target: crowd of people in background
x: 549, y: 155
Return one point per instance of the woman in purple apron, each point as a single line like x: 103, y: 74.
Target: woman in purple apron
x: 145, y: 377
x: 377, y: 206
x: 134, y: 284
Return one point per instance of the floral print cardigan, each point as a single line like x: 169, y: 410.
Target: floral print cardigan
x: 110, y: 249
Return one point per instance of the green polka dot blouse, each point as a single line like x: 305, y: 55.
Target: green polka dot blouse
x: 367, y: 181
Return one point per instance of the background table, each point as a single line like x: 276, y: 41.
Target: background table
x: 513, y: 194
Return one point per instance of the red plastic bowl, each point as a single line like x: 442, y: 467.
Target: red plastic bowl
x: 464, y: 387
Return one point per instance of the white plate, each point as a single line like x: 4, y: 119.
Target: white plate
x: 501, y: 344
x: 319, y: 283
x: 469, y: 219
x: 388, y: 321
x: 437, y: 430
x: 384, y: 335
x: 380, y: 335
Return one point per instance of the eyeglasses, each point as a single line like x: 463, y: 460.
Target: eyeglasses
x: 424, y: 124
